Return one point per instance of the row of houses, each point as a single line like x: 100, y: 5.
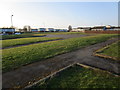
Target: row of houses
x: 96, y: 28
x: 7, y: 30
x: 45, y: 30
x: 79, y: 29
x: 13, y: 30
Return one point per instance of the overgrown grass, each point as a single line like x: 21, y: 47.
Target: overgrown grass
x: 79, y: 77
x: 16, y: 57
x: 21, y: 36
x: 112, y: 50
x: 22, y: 41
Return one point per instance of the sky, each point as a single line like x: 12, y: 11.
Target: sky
x: 58, y: 14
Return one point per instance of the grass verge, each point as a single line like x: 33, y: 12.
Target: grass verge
x: 21, y: 36
x: 66, y: 33
x: 22, y: 41
x: 111, y: 51
x: 16, y: 57
x: 81, y: 78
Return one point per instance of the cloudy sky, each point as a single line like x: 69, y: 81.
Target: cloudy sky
x: 58, y: 14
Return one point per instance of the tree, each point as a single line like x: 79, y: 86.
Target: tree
x: 69, y: 28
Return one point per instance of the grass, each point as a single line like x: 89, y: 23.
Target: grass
x: 16, y: 57
x: 21, y: 36
x: 37, y: 34
x: 112, y: 50
x: 58, y: 33
x: 22, y: 41
x: 80, y: 77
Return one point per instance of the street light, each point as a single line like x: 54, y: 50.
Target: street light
x: 11, y: 21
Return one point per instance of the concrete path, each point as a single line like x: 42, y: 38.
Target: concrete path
x: 33, y: 72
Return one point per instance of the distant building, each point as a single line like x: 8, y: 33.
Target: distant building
x: 98, y: 28
x: 104, y: 28
x: 57, y: 30
x: 27, y: 28
x: 60, y: 30
x: 7, y: 30
x: 51, y: 29
x: 81, y: 29
x: 42, y: 29
x: 34, y: 30
x: 116, y: 28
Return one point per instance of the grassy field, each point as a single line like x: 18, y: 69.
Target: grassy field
x: 58, y: 33
x: 16, y: 57
x: 22, y: 41
x: 21, y: 36
x: 112, y: 50
x: 80, y: 77
x: 37, y: 34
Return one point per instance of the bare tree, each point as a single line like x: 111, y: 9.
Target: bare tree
x: 69, y: 28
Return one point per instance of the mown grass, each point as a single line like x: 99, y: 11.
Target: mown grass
x: 112, y: 50
x: 37, y: 34
x: 80, y: 77
x: 58, y: 33
x: 22, y: 41
x: 21, y: 36
x: 16, y: 57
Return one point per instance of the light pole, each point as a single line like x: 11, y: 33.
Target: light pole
x: 11, y: 21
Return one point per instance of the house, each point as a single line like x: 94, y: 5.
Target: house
x: 7, y: 30
x: 103, y: 28
x: 116, y: 28
x: 27, y: 28
x: 51, y: 29
x: 34, y: 30
x: 56, y: 30
x: 98, y: 28
x: 81, y: 29
x: 42, y: 29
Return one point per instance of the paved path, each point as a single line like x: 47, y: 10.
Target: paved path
x: 38, y: 70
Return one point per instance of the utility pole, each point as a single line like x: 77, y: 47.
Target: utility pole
x: 11, y: 21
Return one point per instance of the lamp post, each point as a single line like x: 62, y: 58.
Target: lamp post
x: 11, y: 21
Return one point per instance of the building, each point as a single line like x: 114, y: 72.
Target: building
x: 116, y: 28
x: 104, y: 28
x: 51, y: 29
x: 81, y: 29
x: 34, y: 30
x: 7, y: 30
x: 98, y: 28
x: 41, y: 29
x: 27, y: 28
x: 60, y: 30
x: 63, y: 30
